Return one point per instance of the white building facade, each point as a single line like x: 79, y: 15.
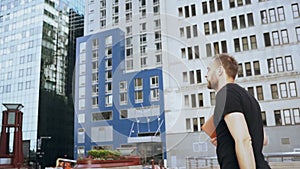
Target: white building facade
x: 181, y: 37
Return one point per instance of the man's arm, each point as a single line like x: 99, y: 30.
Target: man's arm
x: 243, y: 145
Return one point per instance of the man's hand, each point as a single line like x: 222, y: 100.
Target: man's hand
x: 214, y: 141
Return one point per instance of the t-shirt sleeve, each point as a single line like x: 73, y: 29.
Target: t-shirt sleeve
x: 232, y: 102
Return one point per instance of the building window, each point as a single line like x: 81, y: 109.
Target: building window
x: 212, y: 5
x: 143, y: 49
x: 278, y: 120
x: 188, y: 32
x: 108, y: 100
x: 186, y: 101
x: 195, y: 30
x: 283, y: 90
x: 275, y: 37
x: 154, y: 81
x: 81, y: 137
x: 248, y: 69
x: 264, y: 118
x: 274, y: 91
x: 95, y: 43
x: 224, y: 46
x: 123, y: 98
x: 206, y: 28
x: 158, y: 58
x: 234, y: 23
x: 280, y: 11
x: 190, y: 53
x: 204, y: 8
x: 188, y: 124
x: 138, y: 96
x: 289, y: 63
x: 267, y: 39
x: 271, y: 66
x: 219, y: 5
x: 231, y: 3
x: 123, y: 114
x: 184, y: 77
x: 293, y: 89
x: 279, y: 64
x: 287, y: 117
x: 242, y: 21
x: 129, y: 64
x: 123, y: 86
x: 138, y: 84
x: 260, y: 94
x: 240, y: 70
x: 144, y: 61
x: 295, y: 9
x: 264, y: 17
x: 284, y: 36
x: 222, y: 25
x: 245, y: 43
x: 297, y: 29
x: 198, y: 75
x: 187, y: 11
x: 251, y: 90
x: 214, y: 27
x: 296, y: 115
x: 193, y: 6
x: 102, y: 116
x: 212, y: 98
x: 196, y: 52
x: 272, y: 15
x: 250, y: 19
x: 193, y: 99
x: 180, y: 12
x: 237, y: 45
x: 208, y: 50
x: 253, y: 42
x: 154, y: 94
x: 200, y: 100
x: 216, y: 47
x: 192, y: 78
x: 195, y: 124
x: 256, y: 68
x: 108, y: 88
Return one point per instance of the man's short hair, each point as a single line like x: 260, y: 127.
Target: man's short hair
x: 228, y: 63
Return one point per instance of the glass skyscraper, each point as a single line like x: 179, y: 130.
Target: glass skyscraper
x: 36, y: 62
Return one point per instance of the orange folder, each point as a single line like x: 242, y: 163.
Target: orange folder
x: 209, y: 127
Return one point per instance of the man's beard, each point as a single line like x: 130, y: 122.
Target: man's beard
x: 209, y: 85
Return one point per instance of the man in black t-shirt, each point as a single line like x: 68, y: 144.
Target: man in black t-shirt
x: 237, y: 117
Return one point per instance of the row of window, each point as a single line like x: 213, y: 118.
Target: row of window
x: 189, y: 31
x: 21, y: 86
x: 193, y: 76
x: 187, y: 11
x: 278, y: 91
x: 128, y: 11
x: 22, y: 73
x: 245, y: 43
x: 278, y: 64
x: 282, y: 117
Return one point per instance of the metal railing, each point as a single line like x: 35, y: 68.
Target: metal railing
x: 276, y: 160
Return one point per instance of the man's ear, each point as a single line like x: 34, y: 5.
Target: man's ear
x: 219, y: 70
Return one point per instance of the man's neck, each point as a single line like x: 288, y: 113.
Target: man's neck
x: 223, y: 83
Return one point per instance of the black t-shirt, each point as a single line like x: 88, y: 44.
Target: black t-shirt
x: 233, y: 98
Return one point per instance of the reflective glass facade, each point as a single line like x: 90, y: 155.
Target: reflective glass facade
x: 34, y: 56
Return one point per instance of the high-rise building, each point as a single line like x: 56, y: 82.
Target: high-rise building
x: 131, y: 46
x: 36, y: 42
